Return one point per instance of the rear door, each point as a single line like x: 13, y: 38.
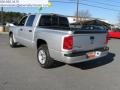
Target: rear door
x: 89, y: 38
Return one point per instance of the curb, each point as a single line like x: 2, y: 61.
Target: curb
x: 4, y: 33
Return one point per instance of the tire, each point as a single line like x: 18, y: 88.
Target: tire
x: 11, y: 41
x: 43, y: 57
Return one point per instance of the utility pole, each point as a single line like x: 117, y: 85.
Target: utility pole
x: 2, y: 15
x: 2, y: 20
x: 77, y: 16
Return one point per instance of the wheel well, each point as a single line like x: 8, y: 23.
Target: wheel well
x: 10, y: 33
x: 40, y: 42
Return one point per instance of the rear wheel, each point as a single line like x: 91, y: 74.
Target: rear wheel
x: 43, y: 57
x: 12, y: 41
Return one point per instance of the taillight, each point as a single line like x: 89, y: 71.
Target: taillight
x: 68, y: 42
x: 107, y: 39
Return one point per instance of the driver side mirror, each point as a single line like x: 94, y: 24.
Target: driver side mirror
x: 15, y: 23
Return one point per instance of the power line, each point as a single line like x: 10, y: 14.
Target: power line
x: 88, y: 5
x: 114, y: 1
x: 100, y: 7
x: 102, y: 3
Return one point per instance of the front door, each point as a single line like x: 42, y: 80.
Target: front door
x: 21, y: 29
x: 29, y: 31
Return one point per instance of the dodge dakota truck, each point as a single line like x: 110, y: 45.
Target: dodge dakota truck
x: 54, y: 39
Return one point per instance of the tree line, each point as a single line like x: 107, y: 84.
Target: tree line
x: 10, y: 17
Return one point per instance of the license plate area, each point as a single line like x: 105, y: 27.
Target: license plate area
x: 93, y: 55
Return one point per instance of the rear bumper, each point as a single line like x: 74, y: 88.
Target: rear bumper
x: 81, y: 57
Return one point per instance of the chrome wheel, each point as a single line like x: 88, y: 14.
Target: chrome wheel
x: 11, y: 41
x: 42, y: 57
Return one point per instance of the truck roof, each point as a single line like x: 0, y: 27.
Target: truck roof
x: 46, y: 14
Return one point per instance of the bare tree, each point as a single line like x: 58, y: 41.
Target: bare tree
x: 83, y: 15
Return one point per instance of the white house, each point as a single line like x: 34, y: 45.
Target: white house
x: 72, y: 19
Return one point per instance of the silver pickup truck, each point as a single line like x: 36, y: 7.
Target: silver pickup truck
x: 52, y: 37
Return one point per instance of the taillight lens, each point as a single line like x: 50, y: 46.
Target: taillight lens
x: 107, y: 39
x: 68, y: 42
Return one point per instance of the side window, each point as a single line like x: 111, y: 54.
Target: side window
x: 22, y: 22
x: 55, y: 21
x: 63, y: 22
x: 45, y: 20
x: 30, y: 20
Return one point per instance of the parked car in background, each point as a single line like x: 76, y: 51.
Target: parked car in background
x: 114, y: 34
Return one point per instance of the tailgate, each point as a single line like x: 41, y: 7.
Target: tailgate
x: 90, y: 41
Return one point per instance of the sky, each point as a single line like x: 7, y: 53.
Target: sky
x: 108, y: 9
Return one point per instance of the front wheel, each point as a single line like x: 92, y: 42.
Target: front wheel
x: 12, y: 41
x: 43, y: 57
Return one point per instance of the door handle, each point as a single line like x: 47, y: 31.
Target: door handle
x: 21, y: 29
x: 92, y: 37
x: 30, y: 30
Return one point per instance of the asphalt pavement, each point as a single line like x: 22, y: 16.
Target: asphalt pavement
x: 19, y: 70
